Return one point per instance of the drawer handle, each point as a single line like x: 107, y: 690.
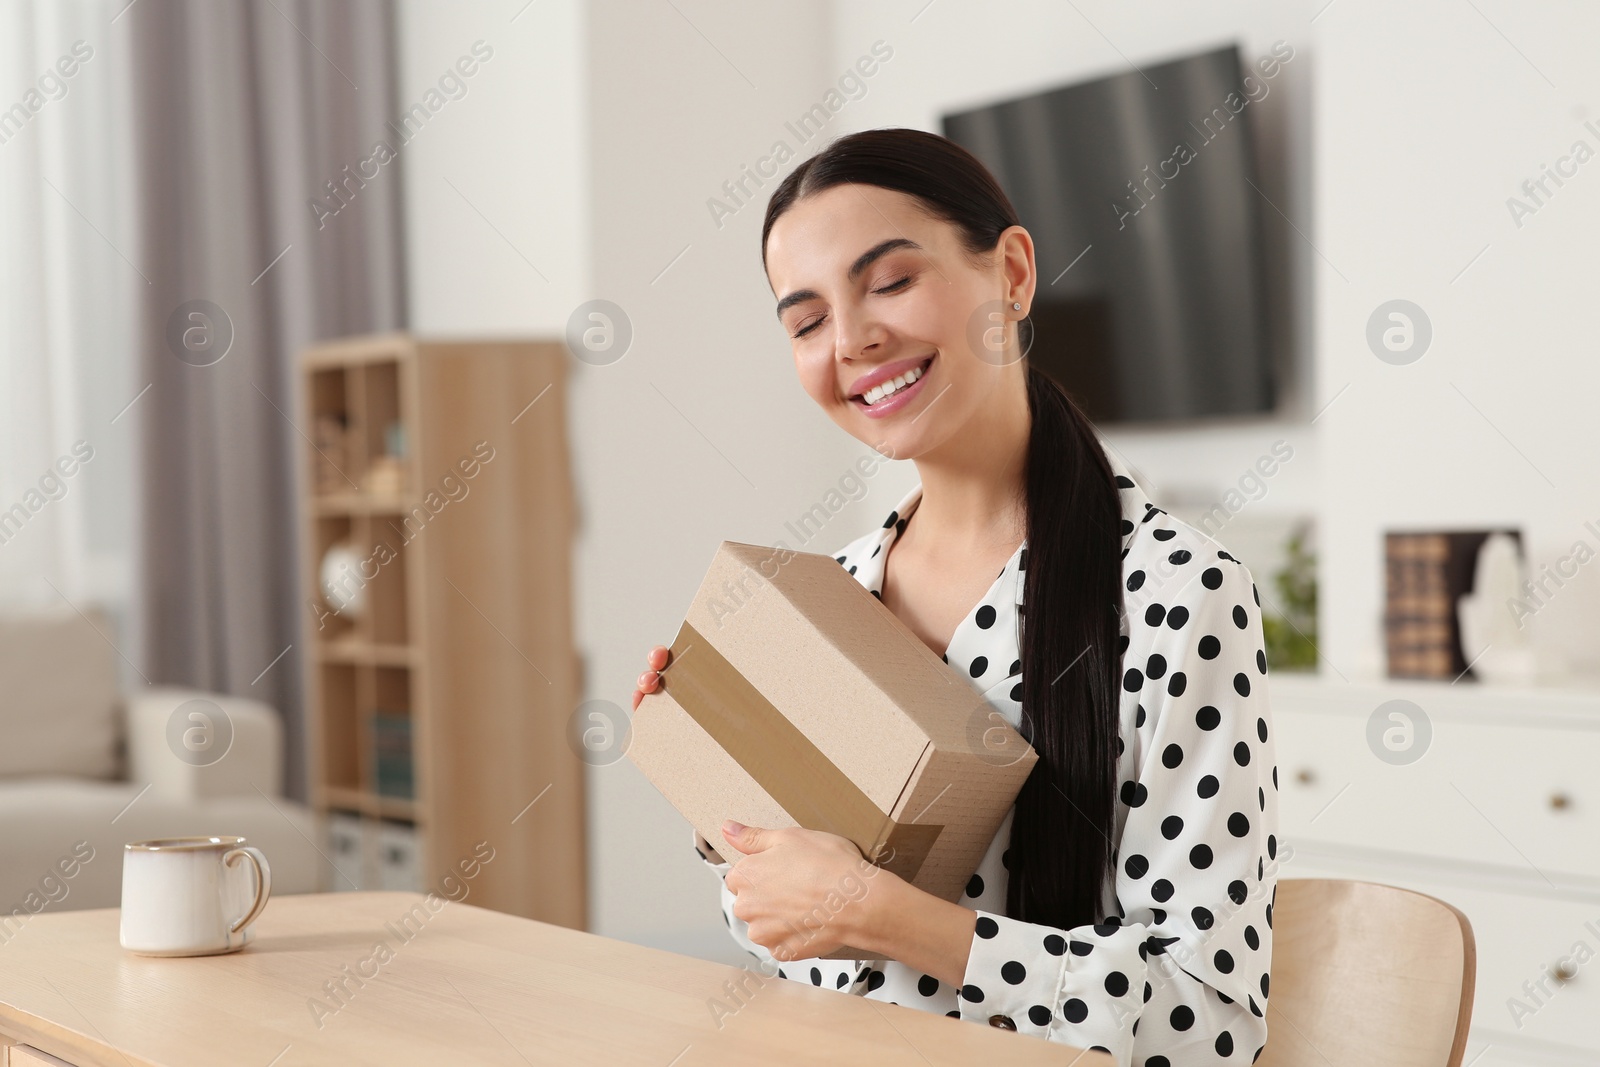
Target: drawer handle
x: 1560, y: 801
x: 1305, y: 776
x: 1564, y: 970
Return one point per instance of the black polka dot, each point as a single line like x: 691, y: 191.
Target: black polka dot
x: 1224, y: 961
x: 1082, y: 948
x: 1182, y: 1017
x: 839, y: 983
x: 1124, y: 482
x: 1202, y: 918
x: 1177, y: 684
x: 1039, y: 1015
x: 1055, y: 944
x: 1013, y: 972
x: 894, y: 517
x: 839, y: 558
x: 1238, y: 824
x: 1135, y: 580
x: 1261, y: 730
x: 986, y: 927
x: 1241, y: 753
x: 1261, y: 661
x: 1264, y: 984
x: 1163, y: 534
x: 1156, y: 666
x: 1272, y: 846
x: 1237, y: 891
x: 1208, y: 787
x: 1211, y: 578
x: 1241, y: 685
x: 1171, y: 827
x: 1156, y: 1061
x: 985, y: 617
x: 928, y: 985
x: 1016, y: 668
x: 1161, y: 890
x: 816, y: 976
x: 1177, y: 617
x: 1117, y: 984
x: 979, y: 665
x: 1207, y: 718
x: 852, y: 568
x: 1252, y: 938
x: 1016, y: 692
x: 1180, y: 557
x: 1200, y: 856
x: 1240, y: 619
x: 1136, y: 866
x: 972, y: 994
x: 1154, y: 614
x: 1133, y: 680
x: 975, y: 886
x: 1224, y: 1045
x: 874, y: 980
x: 1134, y: 794
x: 1172, y: 755
x: 1209, y: 647
x: 1074, y: 1011
x: 1138, y: 718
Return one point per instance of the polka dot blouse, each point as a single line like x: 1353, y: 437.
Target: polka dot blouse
x: 1177, y: 971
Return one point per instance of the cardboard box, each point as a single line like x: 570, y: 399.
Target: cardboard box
x: 793, y: 697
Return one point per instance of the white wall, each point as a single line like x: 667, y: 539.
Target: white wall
x: 1423, y: 132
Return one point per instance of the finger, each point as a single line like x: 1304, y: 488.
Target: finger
x: 657, y: 657
x: 746, y: 839
x: 648, y: 681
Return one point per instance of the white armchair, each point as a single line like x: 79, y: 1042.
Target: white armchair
x: 83, y: 772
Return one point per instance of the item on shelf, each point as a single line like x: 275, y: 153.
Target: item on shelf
x: 399, y: 857
x: 1493, y: 639
x: 343, y: 587
x: 329, y: 434
x: 386, y: 476
x: 1291, y: 632
x: 793, y: 696
x: 346, y: 851
x: 1425, y: 574
x: 391, y: 736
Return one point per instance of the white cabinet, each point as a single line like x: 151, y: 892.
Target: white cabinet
x: 1498, y: 812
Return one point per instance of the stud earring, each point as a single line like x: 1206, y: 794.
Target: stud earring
x: 1015, y: 306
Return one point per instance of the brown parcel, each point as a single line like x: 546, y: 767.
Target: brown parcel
x: 793, y: 697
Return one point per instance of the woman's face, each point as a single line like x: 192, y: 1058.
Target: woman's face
x: 870, y: 286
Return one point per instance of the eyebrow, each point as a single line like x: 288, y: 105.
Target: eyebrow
x: 863, y: 261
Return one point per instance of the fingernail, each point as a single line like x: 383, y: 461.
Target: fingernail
x: 732, y: 829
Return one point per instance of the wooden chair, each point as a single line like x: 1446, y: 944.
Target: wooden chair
x: 1364, y: 973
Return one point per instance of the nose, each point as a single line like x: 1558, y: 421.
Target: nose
x: 857, y: 333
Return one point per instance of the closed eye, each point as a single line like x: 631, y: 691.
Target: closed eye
x: 892, y: 287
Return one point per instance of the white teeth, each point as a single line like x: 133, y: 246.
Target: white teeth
x: 892, y: 386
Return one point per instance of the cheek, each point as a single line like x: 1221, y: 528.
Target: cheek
x: 813, y: 365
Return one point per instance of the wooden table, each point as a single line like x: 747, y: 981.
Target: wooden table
x: 459, y: 985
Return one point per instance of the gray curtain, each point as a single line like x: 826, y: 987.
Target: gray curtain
x: 244, y: 110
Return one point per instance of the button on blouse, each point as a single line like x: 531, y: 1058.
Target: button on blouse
x: 1177, y: 972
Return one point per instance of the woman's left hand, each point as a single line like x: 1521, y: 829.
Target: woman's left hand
x: 802, y: 892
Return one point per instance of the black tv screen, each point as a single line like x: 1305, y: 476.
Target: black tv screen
x: 1137, y: 190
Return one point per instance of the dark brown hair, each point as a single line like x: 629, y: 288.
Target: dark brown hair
x: 1060, y: 850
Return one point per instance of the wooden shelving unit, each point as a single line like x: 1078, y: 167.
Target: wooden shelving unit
x: 444, y: 467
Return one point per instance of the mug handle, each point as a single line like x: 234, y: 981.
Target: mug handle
x: 263, y: 881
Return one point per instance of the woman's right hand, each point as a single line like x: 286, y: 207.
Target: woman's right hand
x: 650, y: 680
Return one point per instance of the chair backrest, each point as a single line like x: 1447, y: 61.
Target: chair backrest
x: 1364, y: 973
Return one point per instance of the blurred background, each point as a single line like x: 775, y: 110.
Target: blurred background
x: 378, y: 378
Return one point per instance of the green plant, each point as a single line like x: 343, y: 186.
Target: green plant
x: 1291, y: 634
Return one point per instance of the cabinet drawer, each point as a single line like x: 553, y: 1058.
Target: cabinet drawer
x: 1525, y: 797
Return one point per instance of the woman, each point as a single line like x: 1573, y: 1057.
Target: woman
x: 1125, y: 903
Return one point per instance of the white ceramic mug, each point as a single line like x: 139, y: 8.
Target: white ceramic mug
x: 191, y: 896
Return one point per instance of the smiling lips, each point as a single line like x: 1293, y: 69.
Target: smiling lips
x: 886, y: 392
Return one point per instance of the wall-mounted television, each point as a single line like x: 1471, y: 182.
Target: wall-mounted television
x: 1141, y: 193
